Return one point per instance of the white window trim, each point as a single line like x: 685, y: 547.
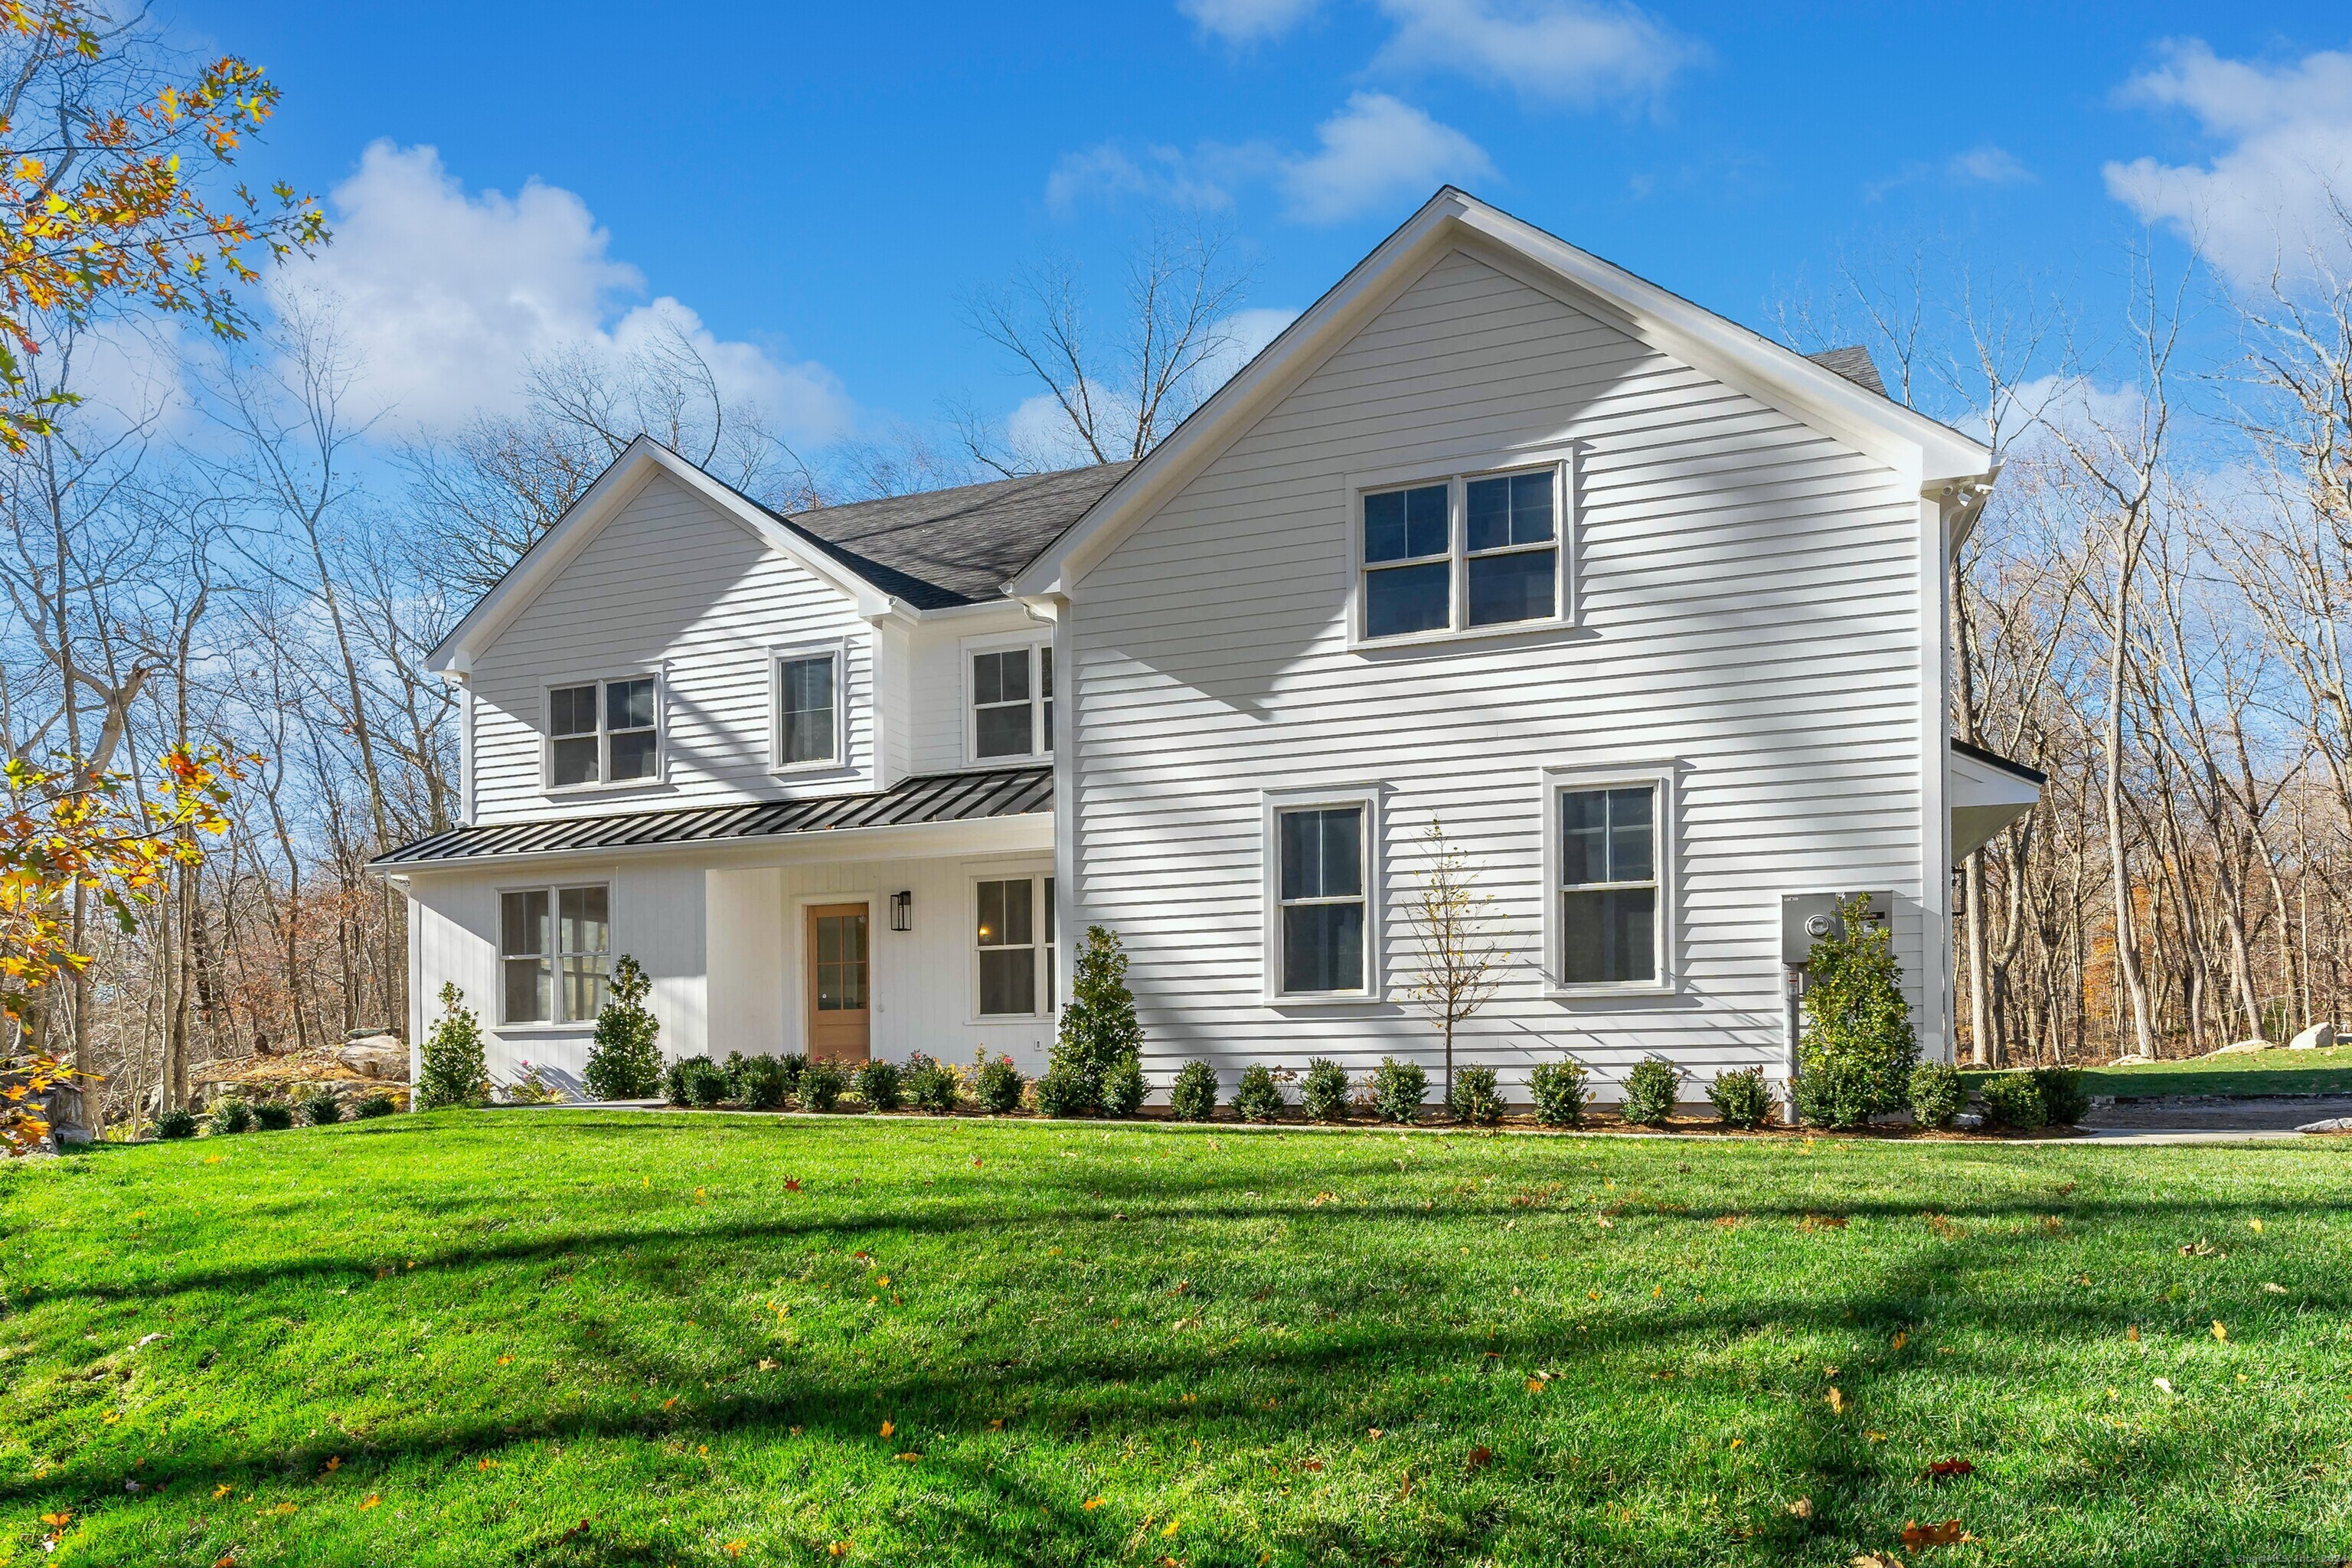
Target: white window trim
x: 1455, y: 477
x: 555, y: 891
x: 836, y: 649
x: 659, y: 674
x: 1038, y: 877
x: 1272, y: 804
x: 1032, y: 638
x: 1661, y: 776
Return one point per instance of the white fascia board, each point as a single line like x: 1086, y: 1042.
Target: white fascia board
x: 1779, y: 377
x: 613, y: 488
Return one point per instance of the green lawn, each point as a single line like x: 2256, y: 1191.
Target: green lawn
x: 576, y: 1338
x: 2325, y: 1071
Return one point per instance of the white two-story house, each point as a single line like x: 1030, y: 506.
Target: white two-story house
x: 1648, y: 611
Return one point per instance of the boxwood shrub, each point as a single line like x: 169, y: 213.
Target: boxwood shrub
x: 1398, y: 1090
x: 1259, y: 1098
x: 323, y: 1108
x: 177, y: 1122
x: 929, y: 1085
x: 2063, y: 1098
x: 762, y: 1083
x: 2013, y: 1099
x: 1122, y: 1088
x: 1473, y: 1100
x: 1651, y: 1090
x: 1936, y: 1094
x: 821, y: 1085
x: 1740, y: 1098
x: 273, y: 1115
x: 1562, y: 1092
x: 1323, y: 1092
x: 1193, y: 1096
x: 879, y: 1084
x: 997, y: 1086
x: 371, y: 1106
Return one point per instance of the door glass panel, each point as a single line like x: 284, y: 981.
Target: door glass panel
x: 841, y: 963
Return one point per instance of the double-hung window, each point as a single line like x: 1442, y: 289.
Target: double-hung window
x: 1012, y: 702
x: 555, y: 953
x: 808, y: 710
x: 1471, y: 552
x: 1322, y: 919
x: 1611, y: 924
x: 1014, y: 938
x: 603, y: 731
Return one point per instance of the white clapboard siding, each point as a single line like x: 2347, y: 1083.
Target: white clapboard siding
x: 1749, y: 604
x: 669, y: 583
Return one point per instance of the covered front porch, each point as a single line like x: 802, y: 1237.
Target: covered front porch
x: 915, y: 919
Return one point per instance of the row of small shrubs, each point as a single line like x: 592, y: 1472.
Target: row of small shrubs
x: 232, y: 1115
x: 776, y: 1083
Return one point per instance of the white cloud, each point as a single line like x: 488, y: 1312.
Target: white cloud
x: 1376, y: 153
x: 444, y: 296
x: 1246, y: 333
x: 1198, y: 179
x: 1579, y: 52
x: 1248, y: 21
x: 2284, y: 135
x: 1987, y: 165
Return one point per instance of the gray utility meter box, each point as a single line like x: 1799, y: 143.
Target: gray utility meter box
x: 1807, y: 917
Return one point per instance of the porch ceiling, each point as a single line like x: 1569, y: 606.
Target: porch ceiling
x: 931, y: 797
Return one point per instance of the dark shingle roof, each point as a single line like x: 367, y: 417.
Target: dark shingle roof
x: 932, y: 797
x: 941, y: 548
x: 1854, y: 363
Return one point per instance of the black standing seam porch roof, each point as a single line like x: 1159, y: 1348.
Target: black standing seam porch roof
x: 931, y: 797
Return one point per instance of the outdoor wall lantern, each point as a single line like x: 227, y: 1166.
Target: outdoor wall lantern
x: 902, y: 911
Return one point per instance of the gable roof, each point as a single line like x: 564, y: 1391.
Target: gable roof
x: 937, y: 549
x: 615, y: 488
x: 1816, y: 394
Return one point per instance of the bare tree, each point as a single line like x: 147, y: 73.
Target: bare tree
x: 1460, y: 964
x: 1116, y: 394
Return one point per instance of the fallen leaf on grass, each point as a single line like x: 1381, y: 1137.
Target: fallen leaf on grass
x: 1371, y: 1432
x: 226, y: 1559
x: 1901, y: 1338
x: 792, y: 1184
x: 1917, y: 1536
x: 887, y: 1428
x: 1091, y: 1504
x: 1802, y: 1507
x: 2132, y: 1333
x: 2165, y: 1383
x: 2219, y: 1332
x: 1170, y: 1530
x: 997, y: 1425
x: 670, y: 1401
x: 506, y: 1360
x: 1875, y: 1560
x: 220, y: 1492
x: 2256, y: 1226
x: 334, y: 1463
x: 734, y: 1548
x: 838, y: 1549
x: 1481, y: 1456
x: 1837, y: 1401
x: 488, y: 1465
x: 2271, y: 1290
x: 1944, y: 1468
x: 1312, y: 1465
x: 767, y: 1365
x: 2201, y: 1250
x: 283, y: 1508
x: 910, y: 1458
x: 57, y: 1520
x: 371, y: 1500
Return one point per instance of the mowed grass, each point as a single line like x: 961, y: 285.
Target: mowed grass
x: 525, y: 1338
x: 2328, y: 1070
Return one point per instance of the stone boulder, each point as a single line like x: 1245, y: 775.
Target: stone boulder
x: 2314, y: 1037
x: 2241, y: 1047
x: 382, y: 1057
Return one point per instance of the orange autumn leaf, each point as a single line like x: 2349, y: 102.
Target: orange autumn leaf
x: 1942, y: 1468
x: 734, y: 1548
x: 371, y: 1500
x: 1312, y: 1465
x: 1481, y: 1456
x: 1837, y: 1401
x: 487, y: 1465
x: 910, y: 1458
x: 334, y: 1463
x: 1091, y: 1504
x: 1535, y: 1385
x: 57, y: 1520
x: 220, y: 1492
x: 1916, y: 1536
x: 792, y: 1184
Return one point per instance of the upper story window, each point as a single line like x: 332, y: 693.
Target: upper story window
x: 1012, y: 701
x: 1471, y: 553
x: 603, y: 731
x: 808, y: 710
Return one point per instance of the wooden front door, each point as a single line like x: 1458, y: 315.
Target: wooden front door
x: 839, y: 998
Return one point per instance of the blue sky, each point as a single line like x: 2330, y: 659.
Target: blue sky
x: 818, y: 185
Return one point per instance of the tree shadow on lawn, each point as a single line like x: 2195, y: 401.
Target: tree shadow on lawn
x: 1078, y: 1387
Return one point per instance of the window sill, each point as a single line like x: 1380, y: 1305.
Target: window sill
x: 1326, y: 999
x: 812, y: 770
x: 1028, y: 760
x: 1588, y: 993
x: 1007, y: 1020
x: 586, y: 1025
x: 591, y: 790
x: 1555, y: 626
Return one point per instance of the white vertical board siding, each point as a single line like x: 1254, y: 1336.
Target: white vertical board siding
x: 1748, y: 611
x: 658, y: 917
x: 667, y: 579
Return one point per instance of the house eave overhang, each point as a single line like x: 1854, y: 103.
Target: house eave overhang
x: 1984, y: 793
x: 1779, y: 376
x: 453, y: 657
